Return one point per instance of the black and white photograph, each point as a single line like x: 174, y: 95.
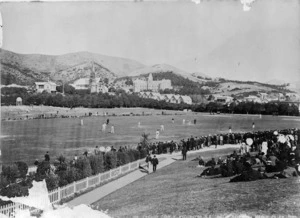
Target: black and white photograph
x: 150, y: 108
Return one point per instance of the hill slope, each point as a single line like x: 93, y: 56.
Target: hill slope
x: 24, y: 69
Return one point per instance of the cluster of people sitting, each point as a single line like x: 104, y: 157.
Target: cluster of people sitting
x: 281, y: 159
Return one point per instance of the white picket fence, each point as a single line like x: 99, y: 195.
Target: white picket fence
x: 69, y: 190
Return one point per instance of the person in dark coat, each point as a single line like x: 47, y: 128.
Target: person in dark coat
x: 154, y: 163
x: 184, y: 151
x: 47, y: 156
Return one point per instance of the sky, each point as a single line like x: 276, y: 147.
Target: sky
x: 194, y: 37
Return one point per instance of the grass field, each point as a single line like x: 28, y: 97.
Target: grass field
x: 28, y: 140
x: 175, y: 190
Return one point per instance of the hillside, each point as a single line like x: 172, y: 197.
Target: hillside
x: 163, y: 68
x: 25, y: 69
x: 83, y: 71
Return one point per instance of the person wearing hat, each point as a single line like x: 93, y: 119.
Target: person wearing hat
x: 154, y: 163
x: 148, y: 161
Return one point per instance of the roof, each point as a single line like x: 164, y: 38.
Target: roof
x: 186, y: 98
x: 43, y: 83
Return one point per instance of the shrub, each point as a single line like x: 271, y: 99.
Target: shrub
x: 14, y: 190
x: 121, y: 158
x: 52, y: 181
x: 73, y: 174
x: 43, y: 168
x: 23, y: 168
x: 130, y: 156
x: 11, y: 172
x: 84, y: 167
x: 97, y: 164
x: 143, y: 153
x: 110, y: 160
x: 3, y: 181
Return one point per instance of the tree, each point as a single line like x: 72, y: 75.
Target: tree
x: 145, y: 140
x: 11, y: 172
x: 97, y: 164
x: 110, y: 160
x: 84, y: 167
x: 23, y: 168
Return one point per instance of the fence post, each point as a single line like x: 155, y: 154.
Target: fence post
x: 87, y: 182
x: 109, y: 174
x: 59, y: 194
x: 74, y: 187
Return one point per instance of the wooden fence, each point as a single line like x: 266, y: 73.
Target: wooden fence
x: 69, y: 190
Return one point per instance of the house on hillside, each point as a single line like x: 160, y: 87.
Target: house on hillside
x: 281, y: 97
x: 49, y: 87
x: 82, y: 83
x: 167, y: 97
x: 185, y: 99
x: 223, y: 99
x: 156, y: 96
x: 252, y: 98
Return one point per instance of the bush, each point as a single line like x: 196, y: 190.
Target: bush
x: 97, y: 164
x: 143, y: 153
x: 121, y: 158
x: 11, y: 172
x: 43, y: 168
x: 130, y: 156
x: 110, y: 160
x: 52, y: 181
x: 23, y: 168
x: 14, y: 190
x: 3, y: 181
x: 84, y: 167
x: 136, y: 154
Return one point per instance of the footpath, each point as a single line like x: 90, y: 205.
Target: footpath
x: 102, y: 191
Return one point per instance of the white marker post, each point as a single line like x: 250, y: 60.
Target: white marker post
x: 81, y: 122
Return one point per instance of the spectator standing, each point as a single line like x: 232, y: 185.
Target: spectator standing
x: 47, y: 156
x: 148, y: 161
x: 154, y: 163
x: 184, y: 151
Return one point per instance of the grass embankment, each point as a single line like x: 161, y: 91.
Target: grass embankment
x: 176, y: 190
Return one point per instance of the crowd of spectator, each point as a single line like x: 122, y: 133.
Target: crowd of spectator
x: 279, y: 159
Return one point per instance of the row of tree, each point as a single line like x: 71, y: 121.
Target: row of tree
x: 123, y: 99
x: 14, y: 181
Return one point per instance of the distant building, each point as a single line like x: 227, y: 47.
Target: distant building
x: 171, y: 98
x: 49, y: 87
x: 223, y: 99
x: 19, y: 101
x: 253, y: 98
x: 95, y: 85
x: 149, y: 84
x: 281, y: 97
x: 185, y: 99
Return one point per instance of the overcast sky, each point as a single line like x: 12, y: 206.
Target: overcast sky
x: 176, y: 33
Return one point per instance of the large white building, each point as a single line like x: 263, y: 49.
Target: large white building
x: 151, y: 85
x: 49, y: 87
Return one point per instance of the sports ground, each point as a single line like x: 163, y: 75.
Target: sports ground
x: 173, y: 190
x: 28, y: 140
